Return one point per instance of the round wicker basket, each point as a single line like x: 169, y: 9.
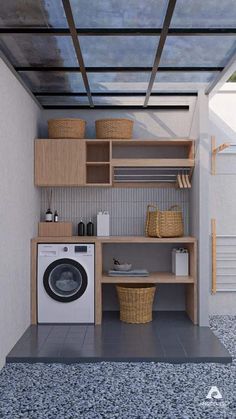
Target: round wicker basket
x: 66, y: 128
x: 136, y: 302
x: 114, y: 129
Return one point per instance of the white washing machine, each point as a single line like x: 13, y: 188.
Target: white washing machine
x: 65, y: 283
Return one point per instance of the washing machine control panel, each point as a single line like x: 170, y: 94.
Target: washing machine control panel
x: 81, y: 249
x: 66, y: 250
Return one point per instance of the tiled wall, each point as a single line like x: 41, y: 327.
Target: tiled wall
x: 126, y: 206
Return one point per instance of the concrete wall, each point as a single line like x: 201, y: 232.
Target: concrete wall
x: 223, y: 186
x: 19, y: 206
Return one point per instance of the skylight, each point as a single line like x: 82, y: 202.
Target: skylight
x: 129, y: 48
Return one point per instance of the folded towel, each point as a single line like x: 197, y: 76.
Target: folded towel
x: 134, y: 272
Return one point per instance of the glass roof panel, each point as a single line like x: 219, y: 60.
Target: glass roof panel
x: 185, y: 77
x: 63, y: 100
x: 198, y: 51
x: 116, y: 100
x: 34, y: 50
x: 204, y: 14
x: 105, y: 82
x: 32, y: 13
x: 59, y: 81
x: 118, y: 50
x: 119, y: 13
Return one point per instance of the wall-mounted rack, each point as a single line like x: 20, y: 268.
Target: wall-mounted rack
x: 179, y: 177
x: 223, y: 261
x: 224, y: 148
x: 159, y: 163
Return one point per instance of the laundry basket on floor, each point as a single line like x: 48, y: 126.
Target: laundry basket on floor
x: 136, y: 302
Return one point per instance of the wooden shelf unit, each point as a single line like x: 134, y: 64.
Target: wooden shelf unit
x: 153, y: 278
x: 90, y: 162
x: 190, y: 282
x: 183, y: 163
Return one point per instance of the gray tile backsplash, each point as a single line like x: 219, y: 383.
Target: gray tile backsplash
x: 126, y: 206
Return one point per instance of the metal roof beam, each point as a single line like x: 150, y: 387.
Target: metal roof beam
x: 156, y: 107
x: 75, y: 40
x: 113, y: 94
x: 224, y: 75
x: 162, y: 40
x: 117, y: 69
x: 119, y: 31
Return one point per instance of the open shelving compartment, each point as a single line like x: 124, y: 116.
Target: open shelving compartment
x: 98, y: 155
x: 155, y: 255
x: 151, y: 162
x: 138, y: 162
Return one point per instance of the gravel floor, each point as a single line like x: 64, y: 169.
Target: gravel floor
x: 122, y: 390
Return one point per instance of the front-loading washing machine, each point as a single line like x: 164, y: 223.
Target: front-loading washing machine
x: 65, y: 283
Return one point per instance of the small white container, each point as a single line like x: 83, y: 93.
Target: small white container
x: 103, y: 224
x: 180, y: 262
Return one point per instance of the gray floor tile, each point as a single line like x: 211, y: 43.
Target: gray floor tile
x: 170, y: 337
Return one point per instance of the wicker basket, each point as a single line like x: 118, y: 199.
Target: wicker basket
x: 152, y: 228
x: 114, y: 128
x: 136, y: 302
x: 164, y: 223
x: 66, y: 128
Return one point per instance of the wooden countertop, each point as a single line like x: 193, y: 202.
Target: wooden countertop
x: 114, y: 239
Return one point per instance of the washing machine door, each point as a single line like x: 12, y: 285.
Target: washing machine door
x: 65, y: 280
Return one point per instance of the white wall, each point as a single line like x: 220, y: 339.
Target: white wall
x: 199, y: 203
x: 223, y: 186
x: 19, y: 206
x: 148, y: 123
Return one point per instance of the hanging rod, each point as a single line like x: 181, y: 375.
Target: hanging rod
x: 148, y: 175
x: 143, y: 181
x: 225, y: 274
x: 226, y: 290
x: 226, y: 235
x: 177, y: 169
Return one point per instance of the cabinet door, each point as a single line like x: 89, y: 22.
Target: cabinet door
x: 60, y: 162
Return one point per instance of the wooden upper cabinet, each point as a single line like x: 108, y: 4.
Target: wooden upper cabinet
x: 59, y: 162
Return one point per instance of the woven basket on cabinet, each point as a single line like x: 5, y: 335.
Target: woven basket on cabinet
x: 164, y: 223
x: 136, y: 302
x: 66, y: 128
x: 114, y: 128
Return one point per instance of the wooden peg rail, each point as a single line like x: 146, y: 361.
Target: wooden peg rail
x: 214, y: 151
x: 213, y: 241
